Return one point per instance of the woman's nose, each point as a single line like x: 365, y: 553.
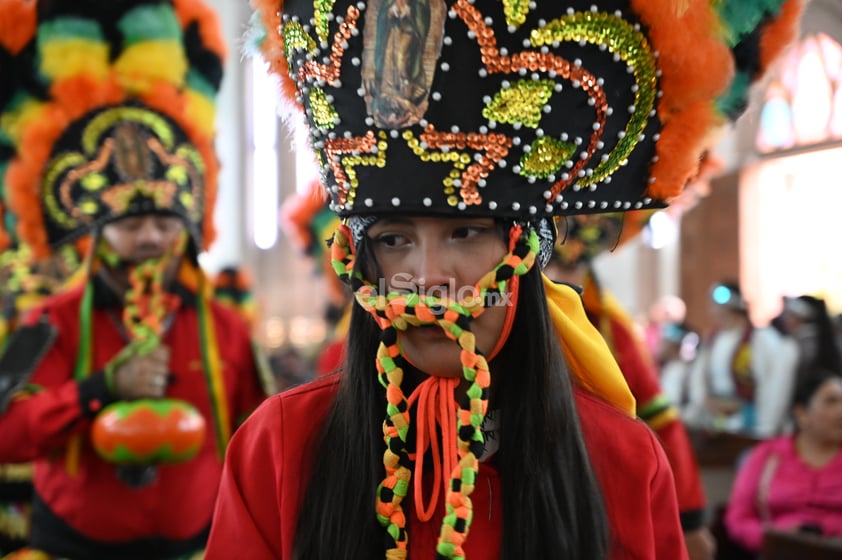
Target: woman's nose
x: 432, y: 269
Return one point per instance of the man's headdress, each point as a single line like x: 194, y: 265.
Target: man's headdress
x: 583, y: 237
x: 106, y: 110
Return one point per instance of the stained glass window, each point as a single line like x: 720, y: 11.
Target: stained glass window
x: 803, y: 101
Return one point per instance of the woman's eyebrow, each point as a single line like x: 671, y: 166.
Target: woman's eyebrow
x: 392, y: 221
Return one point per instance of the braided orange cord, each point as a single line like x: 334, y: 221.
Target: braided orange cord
x: 147, y: 302
x: 395, y: 312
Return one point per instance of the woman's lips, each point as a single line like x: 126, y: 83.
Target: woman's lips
x: 427, y: 332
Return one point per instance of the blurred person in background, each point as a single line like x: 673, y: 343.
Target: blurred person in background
x: 837, y: 329
x: 289, y: 368
x: 108, y: 124
x: 24, y: 283
x: 806, y: 320
x: 668, y: 309
x: 232, y: 287
x: 583, y: 239
x: 794, y: 482
x: 743, y: 378
x: 308, y: 223
x: 676, y: 351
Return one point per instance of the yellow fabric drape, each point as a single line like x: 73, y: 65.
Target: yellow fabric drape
x: 588, y: 356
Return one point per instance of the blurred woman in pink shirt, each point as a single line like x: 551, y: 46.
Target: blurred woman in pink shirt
x: 794, y: 482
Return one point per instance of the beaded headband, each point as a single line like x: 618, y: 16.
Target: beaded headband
x: 517, y: 109
x: 109, y: 112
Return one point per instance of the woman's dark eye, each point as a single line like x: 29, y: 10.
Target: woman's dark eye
x: 388, y: 240
x: 467, y: 231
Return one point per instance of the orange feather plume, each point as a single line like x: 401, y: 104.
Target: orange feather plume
x: 697, y: 71
x: 273, y: 46
x: 780, y: 33
x: 18, y: 21
x: 189, y: 11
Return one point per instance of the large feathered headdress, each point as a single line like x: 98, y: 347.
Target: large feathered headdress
x: 518, y: 109
x: 106, y: 110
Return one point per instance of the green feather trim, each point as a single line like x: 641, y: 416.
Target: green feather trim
x: 734, y: 99
x: 69, y: 28
x: 741, y: 17
x: 150, y: 23
x: 254, y: 36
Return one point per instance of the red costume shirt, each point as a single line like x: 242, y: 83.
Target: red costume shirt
x: 83, y: 496
x: 264, y: 483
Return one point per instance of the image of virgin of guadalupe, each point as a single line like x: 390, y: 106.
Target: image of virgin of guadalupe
x: 402, y: 43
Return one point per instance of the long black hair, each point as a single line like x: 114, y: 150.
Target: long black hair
x: 552, y: 504
x: 807, y: 386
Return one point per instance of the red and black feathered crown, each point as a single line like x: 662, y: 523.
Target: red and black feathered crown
x: 106, y: 110
x: 521, y: 109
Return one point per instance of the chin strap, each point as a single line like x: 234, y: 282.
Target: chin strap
x: 395, y: 312
x: 436, y: 405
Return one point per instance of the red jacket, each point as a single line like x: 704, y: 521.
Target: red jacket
x: 93, y: 503
x: 264, y: 483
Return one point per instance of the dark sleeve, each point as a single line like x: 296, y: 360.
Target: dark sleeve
x: 54, y: 406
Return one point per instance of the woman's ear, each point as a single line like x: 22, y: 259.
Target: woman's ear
x: 799, y: 414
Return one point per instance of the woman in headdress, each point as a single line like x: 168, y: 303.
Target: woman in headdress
x: 478, y: 414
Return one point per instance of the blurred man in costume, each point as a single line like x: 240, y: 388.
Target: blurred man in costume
x: 107, y: 130
x: 744, y: 376
x: 582, y: 239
